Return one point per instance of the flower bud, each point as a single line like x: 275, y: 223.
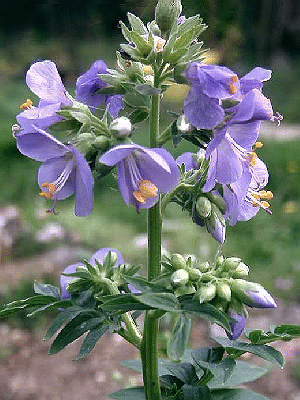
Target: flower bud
x: 241, y: 271
x: 166, y: 13
x: 183, y: 124
x: 204, y: 267
x: 203, y: 207
x: 178, y: 261
x: 180, y: 277
x: 224, y: 291
x: 121, y: 127
x: 100, y: 142
x: 237, y: 321
x: 230, y: 263
x: 215, y: 224
x: 206, y: 293
x: 194, y: 274
x: 252, y: 294
x: 85, y: 142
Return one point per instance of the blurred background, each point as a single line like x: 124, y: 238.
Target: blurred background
x: 241, y: 35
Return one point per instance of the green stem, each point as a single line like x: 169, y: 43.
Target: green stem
x: 149, y: 347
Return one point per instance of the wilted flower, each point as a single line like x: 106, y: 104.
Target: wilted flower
x: 208, y: 85
x: 43, y: 80
x: 142, y: 173
x: 99, y: 256
x: 64, y: 170
x: 88, y: 86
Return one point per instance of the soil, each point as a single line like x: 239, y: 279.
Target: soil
x: 27, y: 372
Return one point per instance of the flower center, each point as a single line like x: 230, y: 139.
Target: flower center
x: 146, y: 189
x: 262, y: 194
x: 28, y: 104
x: 53, y: 188
x: 232, y: 87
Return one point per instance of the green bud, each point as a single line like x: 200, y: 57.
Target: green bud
x: 231, y: 263
x: 240, y: 289
x: 84, y: 142
x: 100, y: 142
x: 120, y: 127
x: 206, y: 293
x: 219, y: 202
x: 178, y: 261
x: 180, y: 277
x: 167, y: 13
x: 194, y: 274
x: 203, y: 207
x: 241, y: 271
x: 224, y: 291
x: 204, y: 267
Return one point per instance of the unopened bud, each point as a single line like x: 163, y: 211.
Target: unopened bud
x: 100, y: 142
x: 194, y: 274
x: 178, y: 261
x: 121, y: 126
x: 180, y: 277
x: 206, y: 293
x: 167, y: 13
x: 224, y: 291
x: 203, y: 207
x: 187, y: 289
x: 204, y: 267
x: 241, y: 271
x: 231, y: 263
x: 252, y: 294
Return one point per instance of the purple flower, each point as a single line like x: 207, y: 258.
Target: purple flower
x: 254, y: 79
x: 142, y: 173
x: 43, y: 79
x: 237, y: 323
x: 246, y: 196
x: 88, y: 86
x: 188, y: 160
x: 99, y: 256
x: 209, y: 84
x: 64, y: 170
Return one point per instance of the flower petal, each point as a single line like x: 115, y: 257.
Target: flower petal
x: 100, y: 255
x: 84, y: 183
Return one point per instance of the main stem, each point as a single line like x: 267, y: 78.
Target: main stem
x: 149, y: 347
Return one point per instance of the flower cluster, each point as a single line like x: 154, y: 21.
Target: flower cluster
x: 223, y: 284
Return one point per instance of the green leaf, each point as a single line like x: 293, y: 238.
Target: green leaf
x: 123, y: 302
x: 144, y: 285
x: 161, y: 301
x: 236, y: 394
x: 185, y: 372
x: 125, y: 31
x: 196, y: 392
x: 204, y: 310
x: 136, y: 365
x: 34, y: 301
x: 138, y: 115
x: 135, y: 393
x: 179, y: 338
x: 142, y: 45
x: 52, y: 306
x: 137, y: 24
x: 74, y: 329
x: 60, y: 319
x: 147, y: 90
x: 293, y: 330
x: 46, y: 290
x: 261, y: 350
x: 90, y: 340
x: 184, y: 40
x: 243, y: 372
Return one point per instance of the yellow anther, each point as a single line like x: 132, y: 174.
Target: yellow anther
x: 232, y: 82
x: 252, y: 156
x: 51, y: 190
x: 255, y: 204
x: 28, y: 104
x: 256, y: 195
x: 146, y: 189
x: 258, y: 145
x: 265, y: 204
x: 266, y: 194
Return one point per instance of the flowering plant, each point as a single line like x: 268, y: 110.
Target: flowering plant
x: 224, y: 180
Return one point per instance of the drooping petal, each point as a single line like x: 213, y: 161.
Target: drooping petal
x: 245, y: 135
x: 254, y: 79
x: 43, y: 80
x: 202, y: 111
x: 84, y: 183
x: 237, y: 324
x: 39, y: 144
x: 41, y: 117
x: 254, y: 106
x: 115, y: 103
